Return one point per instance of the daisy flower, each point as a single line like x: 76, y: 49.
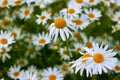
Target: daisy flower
x: 14, y: 72
x: 64, y: 54
x: 81, y: 64
x: 71, y: 12
x: 109, y: 3
x: 81, y: 22
x: 55, y: 45
x: 41, y: 39
x: 5, y: 21
x: 27, y: 75
x: 22, y: 62
x: 29, y: 2
x: 93, y: 2
x: 32, y: 69
x: 6, y: 39
x: 60, y: 26
x: 116, y: 17
x: 78, y: 48
x: 52, y: 74
x: 16, y: 2
x: 78, y: 3
x: 42, y: 18
x: 93, y: 14
x: 4, y: 53
x: 116, y: 28
x: 40, y: 74
x: 4, y: 3
x: 26, y: 12
x: 102, y: 58
x: 117, y: 46
x: 117, y: 67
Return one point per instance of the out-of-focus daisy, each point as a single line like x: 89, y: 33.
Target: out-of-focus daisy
x: 117, y: 67
x: 60, y: 26
x: 110, y: 13
x: 41, y: 39
x: 32, y: 51
x: 78, y: 48
x: 81, y: 22
x: 22, y: 62
x: 78, y: 3
x: 27, y: 75
x: 55, y: 45
x: 4, y: 3
x: 52, y: 74
x: 29, y: 37
x: 93, y: 14
x: 109, y: 3
x: 6, y: 39
x: 117, y: 46
x: 16, y: 2
x: 4, y: 53
x: 29, y: 2
x: 64, y: 53
x: 16, y: 32
x: 116, y: 28
x: 32, y: 69
x: 117, y: 17
x: 71, y: 12
x: 93, y: 2
x: 40, y: 74
x: 81, y: 64
x: 43, y: 18
x: 26, y: 12
x: 102, y: 58
x: 14, y: 72
x: 5, y: 21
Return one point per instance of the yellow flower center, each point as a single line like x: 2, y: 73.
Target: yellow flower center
x: 3, y: 41
x: 117, y: 68
x: 5, y: 22
x: 65, y: 52
x: 118, y: 47
x: 98, y: 58
x: 17, y: 2
x: 64, y: 68
x: 26, y: 12
x: 91, y: 0
x: 42, y: 17
x: 89, y: 44
x: 52, y: 77
x: 16, y: 74
x: 42, y: 41
x: 119, y: 18
x: 91, y: 15
x: 78, y: 49
x: 4, y: 2
x: 77, y: 35
x: 78, y: 22
x: 86, y: 55
x: 60, y: 23
x: 79, y: 1
x: 31, y: 49
x: 71, y: 11
x: 14, y: 34
x: 22, y: 62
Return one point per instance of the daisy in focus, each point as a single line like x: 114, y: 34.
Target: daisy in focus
x: 41, y: 39
x: 42, y: 19
x: 6, y: 39
x: 93, y: 14
x: 14, y: 72
x: 60, y: 26
x: 102, y: 59
x: 52, y: 74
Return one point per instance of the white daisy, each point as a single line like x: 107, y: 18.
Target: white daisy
x: 93, y: 2
x: 78, y: 48
x: 16, y: 2
x: 42, y: 18
x: 4, y: 3
x: 93, y: 14
x: 29, y: 2
x: 14, y: 72
x: 27, y: 75
x: 22, y: 62
x: 81, y: 22
x: 4, y: 53
x: 26, y: 12
x: 52, y: 74
x: 116, y: 17
x: 41, y: 39
x: 109, y: 3
x: 117, y: 67
x: 71, y: 11
x: 6, y: 39
x: 81, y: 65
x: 32, y: 69
x: 116, y: 28
x: 102, y: 58
x: 60, y: 26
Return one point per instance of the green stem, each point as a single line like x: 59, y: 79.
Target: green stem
x: 117, y: 77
